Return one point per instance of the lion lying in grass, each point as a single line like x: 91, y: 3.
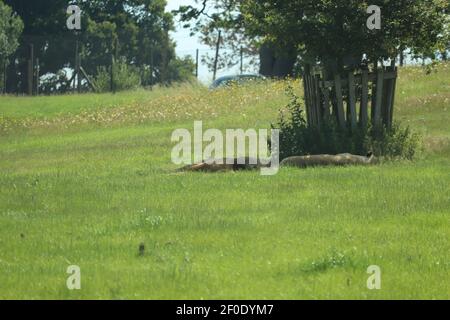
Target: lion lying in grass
x: 239, y: 164
x: 344, y: 159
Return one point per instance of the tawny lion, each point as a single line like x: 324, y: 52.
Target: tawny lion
x: 344, y: 159
x: 239, y: 164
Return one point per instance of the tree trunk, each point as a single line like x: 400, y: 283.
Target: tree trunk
x: 267, y: 58
x: 274, y: 64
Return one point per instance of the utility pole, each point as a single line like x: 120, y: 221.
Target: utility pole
x: 78, y: 65
x: 111, y: 80
x: 76, y: 69
x: 196, y: 64
x: 37, y: 76
x: 151, y: 66
x: 4, y: 76
x: 242, y: 60
x: 30, y: 69
x: 217, y: 54
x: 113, y: 62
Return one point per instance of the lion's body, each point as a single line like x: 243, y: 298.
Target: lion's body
x: 239, y: 164
x: 344, y: 159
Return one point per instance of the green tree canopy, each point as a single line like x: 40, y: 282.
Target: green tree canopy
x: 332, y: 32
x: 140, y: 28
x: 207, y: 17
x: 11, y: 27
x: 135, y: 31
x: 335, y: 32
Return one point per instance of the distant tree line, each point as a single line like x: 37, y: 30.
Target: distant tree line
x: 11, y: 27
x: 134, y: 32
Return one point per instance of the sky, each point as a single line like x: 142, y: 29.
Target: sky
x: 187, y: 45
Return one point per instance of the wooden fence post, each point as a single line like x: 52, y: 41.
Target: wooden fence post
x: 352, y: 99
x: 318, y: 99
x: 312, y: 103
x: 364, y: 114
x: 394, y: 88
x: 319, y: 113
x: 379, y: 97
x: 307, y: 95
x: 326, y: 101
x: 89, y: 81
x: 339, y: 100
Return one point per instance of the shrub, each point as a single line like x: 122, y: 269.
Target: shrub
x: 297, y: 138
x: 125, y: 77
x: 181, y: 69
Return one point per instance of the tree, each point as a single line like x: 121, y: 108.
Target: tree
x: 11, y: 27
x: 140, y: 30
x: 135, y: 32
x: 44, y: 22
x: 207, y: 18
x: 444, y: 39
x: 180, y: 69
x: 334, y: 33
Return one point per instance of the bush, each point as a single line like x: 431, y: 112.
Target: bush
x: 125, y: 77
x: 297, y: 138
x: 181, y: 70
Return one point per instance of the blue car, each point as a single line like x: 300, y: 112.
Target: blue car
x: 237, y: 79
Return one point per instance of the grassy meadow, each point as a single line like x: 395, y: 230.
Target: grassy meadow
x: 84, y: 179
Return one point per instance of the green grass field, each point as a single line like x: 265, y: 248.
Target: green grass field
x: 85, y: 179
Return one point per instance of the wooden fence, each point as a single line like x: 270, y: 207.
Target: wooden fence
x: 341, y: 97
